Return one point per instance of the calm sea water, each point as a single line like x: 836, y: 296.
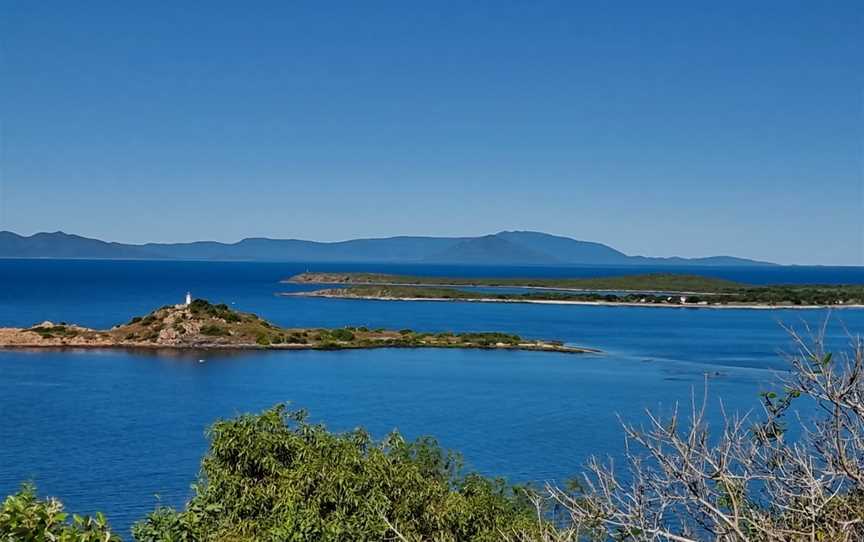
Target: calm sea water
x: 120, y: 431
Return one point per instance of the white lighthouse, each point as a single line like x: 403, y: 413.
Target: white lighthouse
x: 188, y: 298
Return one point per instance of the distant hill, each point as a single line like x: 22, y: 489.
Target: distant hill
x: 491, y: 249
x: 504, y: 248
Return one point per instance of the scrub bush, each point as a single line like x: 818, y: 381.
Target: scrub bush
x: 275, y: 476
x: 25, y: 518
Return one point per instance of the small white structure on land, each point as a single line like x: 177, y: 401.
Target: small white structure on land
x: 186, y: 302
x: 683, y: 299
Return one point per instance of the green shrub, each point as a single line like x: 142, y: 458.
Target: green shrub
x: 24, y: 518
x: 490, y: 338
x: 275, y: 477
x: 262, y: 340
x: 214, y: 331
x: 341, y: 335
x: 201, y: 307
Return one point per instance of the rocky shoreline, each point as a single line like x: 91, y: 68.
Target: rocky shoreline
x: 202, y: 325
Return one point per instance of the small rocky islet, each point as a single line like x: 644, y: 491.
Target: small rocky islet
x: 199, y: 324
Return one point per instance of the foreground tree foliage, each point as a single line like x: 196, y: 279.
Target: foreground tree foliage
x: 24, y: 518
x: 274, y: 476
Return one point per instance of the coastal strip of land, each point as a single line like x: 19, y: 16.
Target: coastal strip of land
x: 666, y: 282
x: 648, y: 290
x: 203, y: 325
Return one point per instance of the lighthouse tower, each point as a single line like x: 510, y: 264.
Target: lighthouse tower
x: 188, y: 299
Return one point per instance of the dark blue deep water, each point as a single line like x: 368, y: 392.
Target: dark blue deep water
x: 120, y: 431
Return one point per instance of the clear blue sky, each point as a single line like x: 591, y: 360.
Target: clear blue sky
x: 660, y: 128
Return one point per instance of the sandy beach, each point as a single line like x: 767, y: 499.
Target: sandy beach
x: 589, y: 303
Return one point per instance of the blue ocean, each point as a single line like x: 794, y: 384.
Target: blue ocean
x: 122, y: 432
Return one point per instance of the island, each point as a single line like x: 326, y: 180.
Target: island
x: 649, y: 290
x: 199, y: 324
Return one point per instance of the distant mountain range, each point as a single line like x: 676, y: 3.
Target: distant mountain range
x: 504, y: 248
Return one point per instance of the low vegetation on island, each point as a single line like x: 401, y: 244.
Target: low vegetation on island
x: 652, y: 281
x: 656, y: 289
x: 275, y: 476
x: 202, y: 324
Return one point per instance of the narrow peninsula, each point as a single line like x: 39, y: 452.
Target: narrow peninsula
x: 649, y: 290
x: 200, y: 324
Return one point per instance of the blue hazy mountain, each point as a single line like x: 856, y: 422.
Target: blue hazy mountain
x: 506, y: 248
x: 63, y: 245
